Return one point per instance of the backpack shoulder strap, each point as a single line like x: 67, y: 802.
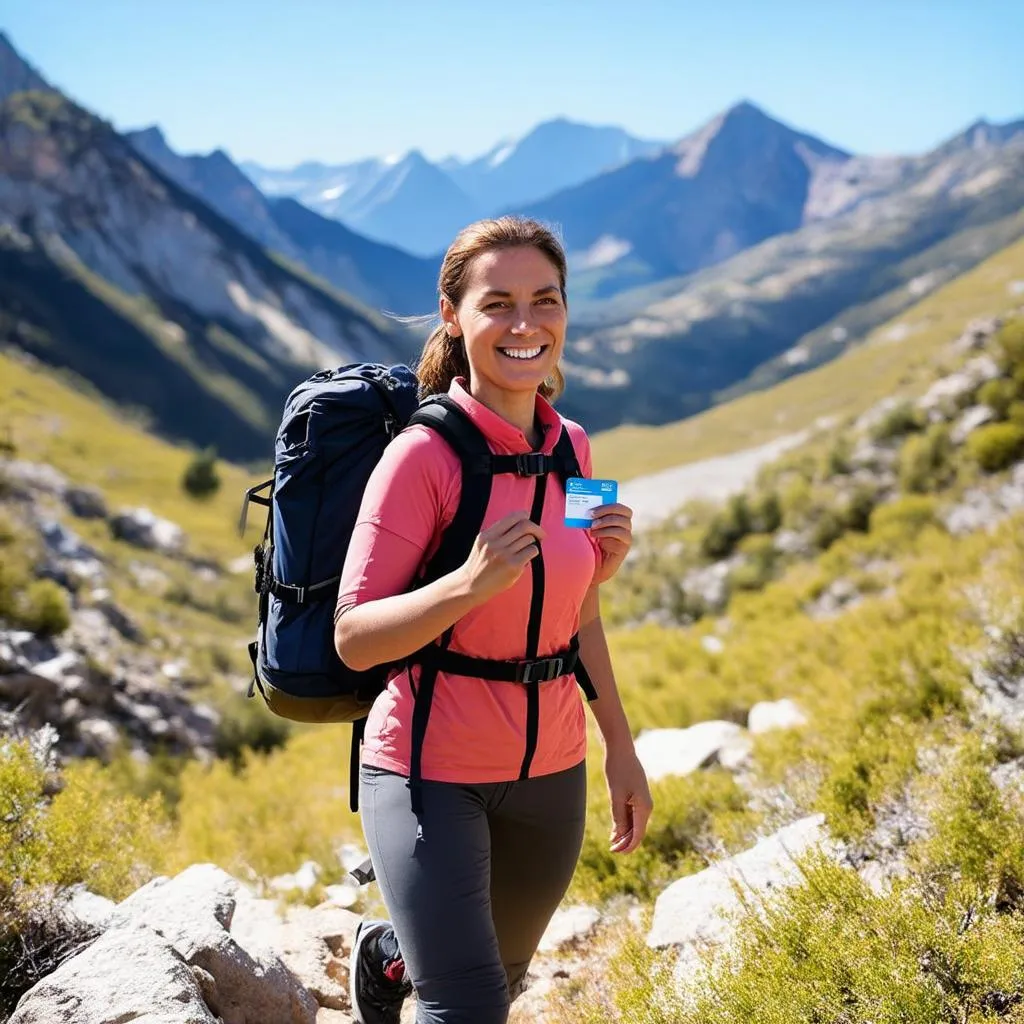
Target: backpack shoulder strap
x: 442, y: 414
x: 565, y: 457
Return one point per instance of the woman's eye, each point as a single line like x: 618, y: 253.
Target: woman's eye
x: 495, y: 305
x: 551, y: 300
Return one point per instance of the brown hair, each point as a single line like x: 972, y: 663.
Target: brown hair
x: 444, y: 357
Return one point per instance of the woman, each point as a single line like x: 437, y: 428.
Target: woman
x: 471, y: 882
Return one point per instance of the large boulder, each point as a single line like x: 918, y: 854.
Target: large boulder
x: 144, y: 529
x: 193, y: 913
x: 314, y: 943
x: 665, y: 752
x: 129, y: 974
x: 701, y: 910
x: 767, y: 715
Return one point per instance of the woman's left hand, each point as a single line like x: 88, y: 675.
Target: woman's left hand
x: 630, y: 797
x: 612, y: 528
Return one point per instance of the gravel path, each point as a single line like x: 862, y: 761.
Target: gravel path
x: 655, y: 497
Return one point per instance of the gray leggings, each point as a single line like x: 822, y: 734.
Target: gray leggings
x: 471, y: 891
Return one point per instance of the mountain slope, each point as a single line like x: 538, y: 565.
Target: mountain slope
x: 16, y: 74
x: 404, y: 201
x: 846, y: 386
x: 107, y: 260
x: 555, y: 155
x: 740, y: 179
x: 672, y: 347
x: 382, y: 276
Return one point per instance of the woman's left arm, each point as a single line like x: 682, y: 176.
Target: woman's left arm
x: 628, y: 790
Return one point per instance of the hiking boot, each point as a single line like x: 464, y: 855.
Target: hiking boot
x: 377, y: 979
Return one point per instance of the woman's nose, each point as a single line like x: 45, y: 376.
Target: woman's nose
x: 523, y: 324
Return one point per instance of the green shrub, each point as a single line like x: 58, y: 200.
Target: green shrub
x: 766, y: 512
x: 727, y: 528
x: 996, y: 446
x: 827, y: 529
x: 1015, y: 414
x: 925, y: 461
x: 997, y: 395
x: 44, y: 608
x: 1010, y: 345
x: 904, y: 517
x: 758, y: 566
x: 838, y: 461
x: 249, y: 725
x: 201, y: 478
x: 899, y: 421
x: 856, y: 514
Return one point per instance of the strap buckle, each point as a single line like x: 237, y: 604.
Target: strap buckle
x: 532, y: 464
x: 541, y: 671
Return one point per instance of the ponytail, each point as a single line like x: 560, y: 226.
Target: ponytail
x: 443, y: 359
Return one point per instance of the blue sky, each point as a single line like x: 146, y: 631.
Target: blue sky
x: 337, y: 80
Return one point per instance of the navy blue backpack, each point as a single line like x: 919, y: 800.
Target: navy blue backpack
x: 335, y: 428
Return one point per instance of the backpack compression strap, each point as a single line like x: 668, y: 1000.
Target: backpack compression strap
x: 479, y: 465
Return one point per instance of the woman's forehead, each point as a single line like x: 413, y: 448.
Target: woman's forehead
x: 507, y: 269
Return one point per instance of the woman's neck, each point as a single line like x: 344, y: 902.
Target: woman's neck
x: 517, y: 407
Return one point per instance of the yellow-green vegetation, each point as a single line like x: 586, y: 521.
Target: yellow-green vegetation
x: 845, y: 387
x: 49, y: 420
x: 945, y: 942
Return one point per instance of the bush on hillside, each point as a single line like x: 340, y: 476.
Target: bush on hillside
x: 856, y: 513
x: 44, y: 608
x: 899, y: 421
x: 997, y: 394
x: 757, y: 569
x: 201, y: 479
x: 827, y: 528
x: 727, y: 528
x: 1010, y: 345
x: 925, y: 461
x: 766, y: 512
x: 1015, y: 414
x: 996, y: 446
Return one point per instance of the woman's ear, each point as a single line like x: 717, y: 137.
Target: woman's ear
x: 449, y: 317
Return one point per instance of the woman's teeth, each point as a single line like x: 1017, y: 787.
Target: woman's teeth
x: 522, y: 353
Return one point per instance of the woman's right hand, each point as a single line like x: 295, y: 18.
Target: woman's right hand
x: 500, y: 554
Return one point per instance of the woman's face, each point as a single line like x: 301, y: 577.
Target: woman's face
x: 512, y: 319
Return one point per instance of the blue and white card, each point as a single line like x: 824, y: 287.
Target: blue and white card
x: 583, y: 496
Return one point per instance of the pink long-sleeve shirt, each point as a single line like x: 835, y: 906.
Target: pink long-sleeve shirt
x: 477, y: 728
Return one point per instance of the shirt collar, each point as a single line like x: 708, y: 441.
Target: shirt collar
x: 498, y: 431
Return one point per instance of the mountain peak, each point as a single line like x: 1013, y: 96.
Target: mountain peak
x: 16, y: 74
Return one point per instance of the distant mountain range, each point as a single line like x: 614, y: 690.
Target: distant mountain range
x: 409, y: 202
x: 742, y: 253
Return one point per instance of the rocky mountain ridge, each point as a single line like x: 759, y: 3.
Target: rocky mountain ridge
x: 113, y: 271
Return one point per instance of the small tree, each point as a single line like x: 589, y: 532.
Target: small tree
x: 201, y: 478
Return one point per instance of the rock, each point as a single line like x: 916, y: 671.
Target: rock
x: 304, y: 879
x: 665, y: 752
x: 314, y: 943
x: 99, y: 737
x: 70, y: 562
x: 149, y: 578
x: 839, y: 596
x: 128, y: 974
x: 139, y: 526
x: 976, y: 416
x: 780, y: 714
x: 700, y: 910
x: 976, y: 335
x: 29, y: 478
x: 984, y: 508
x: 193, y: 912
x: 710, y: 583
x: 88, y: 908
x: 948, y: 394
x: 122, y: 622
x: 568, y: 926
x: 793, y: 542
x: 86, y: 502
x: 712, y: 644
x: 345, y: 893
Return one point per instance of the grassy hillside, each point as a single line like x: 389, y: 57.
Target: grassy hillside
x: 878, y: 367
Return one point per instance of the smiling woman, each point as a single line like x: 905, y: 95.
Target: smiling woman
x: 473, y: 781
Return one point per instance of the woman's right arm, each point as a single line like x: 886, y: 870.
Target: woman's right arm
x: 391, y: 628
